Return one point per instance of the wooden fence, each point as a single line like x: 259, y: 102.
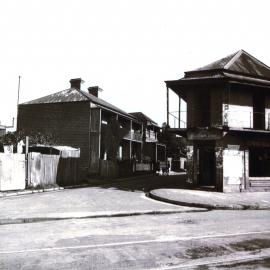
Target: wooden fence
x: 68, y: 171
x: 12, y: 171
x: 109, y: 168
x: 143, y: 167
x: 115, y: 169
x: 42, y: 169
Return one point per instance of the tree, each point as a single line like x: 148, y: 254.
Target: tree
x: 175, y: 145
x: 13, y: 138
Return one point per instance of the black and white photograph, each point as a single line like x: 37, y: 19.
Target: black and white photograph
x: 135, y: 135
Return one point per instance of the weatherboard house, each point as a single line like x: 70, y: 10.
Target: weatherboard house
x: 228, y: 123
x: 77, y: 118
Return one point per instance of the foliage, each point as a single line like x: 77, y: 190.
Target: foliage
x: 9, y: 138
x: 12, y: 138
x: 41, y: 138
x: 111, y: 137
x: 174, y: 144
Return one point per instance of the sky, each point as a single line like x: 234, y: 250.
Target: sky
x: 126, y: 47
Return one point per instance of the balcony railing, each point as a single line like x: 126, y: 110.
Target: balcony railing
x: 134, y: 135
x: 245, y: 118
x: 175, y: 120
x: 151, y: 136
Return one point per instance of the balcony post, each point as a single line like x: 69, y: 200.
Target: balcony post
x: 130, y: 141
x: 167, y: 105
x: 179, y: 113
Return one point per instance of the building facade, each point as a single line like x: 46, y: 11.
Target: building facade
x: 152, y: 149
x: 76, y: 118
x: 228, y: 123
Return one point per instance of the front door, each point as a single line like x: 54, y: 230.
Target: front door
x: 206, y: 166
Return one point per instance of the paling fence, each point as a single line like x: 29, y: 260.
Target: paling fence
x: 46, y: 170
x: 68, y: 171
x: 39, y: 169
x: 42, y: 169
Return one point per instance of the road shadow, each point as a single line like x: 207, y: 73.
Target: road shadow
x: 146, y: 183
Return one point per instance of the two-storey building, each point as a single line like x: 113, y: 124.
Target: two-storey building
x: 228, y: 123
x: 76, y: 118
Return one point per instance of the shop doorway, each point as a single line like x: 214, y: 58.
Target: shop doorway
x: 206, y: 168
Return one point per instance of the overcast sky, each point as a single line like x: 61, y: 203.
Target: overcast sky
x: 128, y: 48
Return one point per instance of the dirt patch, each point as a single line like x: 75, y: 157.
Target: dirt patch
x: 206, y: 251
x: 251, y: 245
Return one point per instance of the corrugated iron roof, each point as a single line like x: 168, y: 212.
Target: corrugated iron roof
x: 67, y: 95
x: 239, y: 67
x: 247, y: 64
x: 219, y: 64
x: 104, y: 103
x: 239, y: 62
x: 75, y: 95
x: 143, y: 118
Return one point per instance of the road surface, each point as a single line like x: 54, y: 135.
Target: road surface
x: 216, y: 239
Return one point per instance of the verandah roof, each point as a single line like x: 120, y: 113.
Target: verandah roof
x: 239, y: 67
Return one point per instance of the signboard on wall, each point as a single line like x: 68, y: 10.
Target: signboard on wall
x: 233, y: 166
x: 233, y: 147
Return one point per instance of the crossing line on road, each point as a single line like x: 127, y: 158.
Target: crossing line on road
x: 127, y: 243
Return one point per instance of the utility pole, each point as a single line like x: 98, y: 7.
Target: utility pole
x: 167, y: 105
x: 18, y: 100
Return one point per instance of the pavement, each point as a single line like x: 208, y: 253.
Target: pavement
x: 27, y: 191
x: 88, y: 202
x: 213, y: 200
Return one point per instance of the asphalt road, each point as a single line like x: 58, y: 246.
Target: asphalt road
x: 217, y: 239
x: 187, y: 240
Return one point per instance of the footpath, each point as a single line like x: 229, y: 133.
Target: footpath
x: 213, y: 200
x: 138, y: 196
x: 88, y: 202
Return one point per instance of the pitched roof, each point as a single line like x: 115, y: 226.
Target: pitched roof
x: 239, y: 62
x: 143, y: 118
x: 75, y: 95
x: 67, y: 95
x: 219, y: 64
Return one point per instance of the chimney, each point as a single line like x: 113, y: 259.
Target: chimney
x: 76, y: 83
x: 93, y: 90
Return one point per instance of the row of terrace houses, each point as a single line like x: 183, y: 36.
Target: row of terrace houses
x: 77, y: 118
x: 228, y: 123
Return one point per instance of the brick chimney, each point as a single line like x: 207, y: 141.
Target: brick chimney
x: 76, y: 83
x: 93, y: 90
